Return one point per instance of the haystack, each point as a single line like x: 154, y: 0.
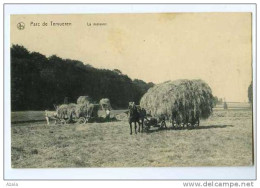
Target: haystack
x: 66, y: 110
x: 180, y: 99
x: 90, y: 110
x: 72, y: 110
x: 82, y: 110
x: 84, y: 100
x: 105, y: 104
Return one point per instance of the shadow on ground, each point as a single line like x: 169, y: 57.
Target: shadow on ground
x: 18, y: 123
x: 187, y: 128
x: 96, y: 120
x: 103, y: 120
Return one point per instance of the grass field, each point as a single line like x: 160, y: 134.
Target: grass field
x: 225, y: 139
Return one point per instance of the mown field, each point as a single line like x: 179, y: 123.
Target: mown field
x: 225, y: 139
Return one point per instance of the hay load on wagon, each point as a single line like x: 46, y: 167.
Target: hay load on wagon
x: 65, y: 111
x: 84, y: 100
x: 182, y: 101
x: 80, y: 112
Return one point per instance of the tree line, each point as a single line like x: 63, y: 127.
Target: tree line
x: 38, y: 82
x: 250, y: 92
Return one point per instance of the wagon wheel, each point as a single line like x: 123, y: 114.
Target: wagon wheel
x: 81, y: 120
x: 191, y: 126
x: 146, y: 125
x: 174, y: 125
x: 195, y: 125
x: 63, y: 122
x: 163, y: 124
x: 147, y: 128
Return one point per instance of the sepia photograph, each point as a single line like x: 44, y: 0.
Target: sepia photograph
x: 112, y: 90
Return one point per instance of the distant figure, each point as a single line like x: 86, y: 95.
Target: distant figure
x: 225, y: 106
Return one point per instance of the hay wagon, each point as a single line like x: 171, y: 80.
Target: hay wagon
x: 154, y: 122
x: 80, y: 112
x: 76, y: 113
x: 183, y: 102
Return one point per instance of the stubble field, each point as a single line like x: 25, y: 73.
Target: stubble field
x: 225, y: 139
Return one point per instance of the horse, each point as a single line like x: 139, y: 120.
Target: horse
x: 142, y: 117
x: 133, y: 116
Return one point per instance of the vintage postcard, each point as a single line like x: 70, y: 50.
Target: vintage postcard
x: 131, y: 90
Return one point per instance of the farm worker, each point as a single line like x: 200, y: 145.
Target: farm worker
x: 47, y: 117
x: 107, y: 114
x: 143, y: 112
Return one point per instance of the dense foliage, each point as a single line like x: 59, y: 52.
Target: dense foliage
x: 38, y: 82
x: 250, y: 93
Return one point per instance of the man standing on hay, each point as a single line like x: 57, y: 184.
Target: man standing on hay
x: 107, y: 114
x: 106, y: 106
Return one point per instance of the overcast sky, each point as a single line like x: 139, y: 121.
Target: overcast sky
x: 215, y: 47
